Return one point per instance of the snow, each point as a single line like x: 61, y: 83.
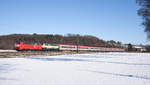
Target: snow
x: 77, y: 69
x: 8, y: 51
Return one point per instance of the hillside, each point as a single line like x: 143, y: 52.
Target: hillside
x: 8, y: 41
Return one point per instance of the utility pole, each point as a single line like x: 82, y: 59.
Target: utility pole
x: 77, y: 43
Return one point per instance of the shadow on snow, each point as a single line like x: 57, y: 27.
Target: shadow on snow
x: 123, y: 63
x: 1, y: 78
x: 58, y: 59
x: 85, y: 60
x: 4, y: 68
x: 118, y: 74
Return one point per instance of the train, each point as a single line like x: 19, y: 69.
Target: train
x: 21, y: 46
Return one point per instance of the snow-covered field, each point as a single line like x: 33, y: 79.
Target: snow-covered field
x: 8, y: 51
x: 78, y: 69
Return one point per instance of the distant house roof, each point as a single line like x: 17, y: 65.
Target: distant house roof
x: 138, y: 47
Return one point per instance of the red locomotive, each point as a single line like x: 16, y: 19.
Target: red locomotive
x: 28, y: 46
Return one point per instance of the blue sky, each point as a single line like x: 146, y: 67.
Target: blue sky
x: 106, y: 19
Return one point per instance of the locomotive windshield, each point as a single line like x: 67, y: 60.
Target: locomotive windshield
x: 17, y: 42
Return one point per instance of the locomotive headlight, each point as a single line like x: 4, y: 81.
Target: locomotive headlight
x: 17, y: 45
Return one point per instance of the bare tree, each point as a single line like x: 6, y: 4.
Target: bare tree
x: 144, y: 11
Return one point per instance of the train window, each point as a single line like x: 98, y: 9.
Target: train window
x: 37, y: 43
x: 27, y: 42
x: 67, y: 47
x: 83, y: 47
x: 80, y: 47
x: 17, y: 42
x: 50, y: 44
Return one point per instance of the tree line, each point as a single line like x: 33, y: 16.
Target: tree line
x: 8, y: 41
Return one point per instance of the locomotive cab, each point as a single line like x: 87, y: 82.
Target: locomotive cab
x: 17, y: 46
